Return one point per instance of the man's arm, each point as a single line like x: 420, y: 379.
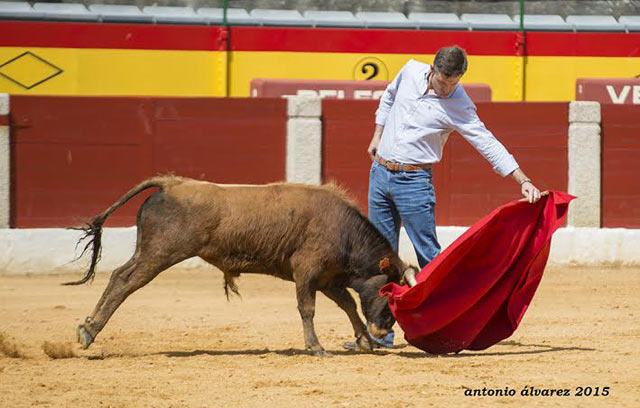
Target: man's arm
x: 388, y: 97
x: 375, y: 141
x: 384, y: 107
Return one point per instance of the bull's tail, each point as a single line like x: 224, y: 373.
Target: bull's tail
x: 93, y: 229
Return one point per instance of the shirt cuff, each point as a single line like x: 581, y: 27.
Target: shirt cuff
x: 506, y: 166
x: 381, y: 118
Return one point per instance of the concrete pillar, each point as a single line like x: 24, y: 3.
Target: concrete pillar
x: 585, y: 150
x: 4, y: 161
x: 304, y: 140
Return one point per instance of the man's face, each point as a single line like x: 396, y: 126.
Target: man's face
x: 443, y: 85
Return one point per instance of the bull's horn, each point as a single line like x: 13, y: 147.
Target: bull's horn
x: 410, y: 276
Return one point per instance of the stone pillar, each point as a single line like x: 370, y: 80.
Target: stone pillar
x: 585, y: 150
x: 4, y: 161
x: 304, y: 140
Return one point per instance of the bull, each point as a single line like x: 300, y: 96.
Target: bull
x: 313, y: 236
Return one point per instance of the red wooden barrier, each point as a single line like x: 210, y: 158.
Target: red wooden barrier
x: 620, y: 166
x: 337, y: 89
x: 466, y: 186
x: 73, y: 156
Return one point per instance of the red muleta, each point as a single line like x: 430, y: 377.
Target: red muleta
x: 475, y: 293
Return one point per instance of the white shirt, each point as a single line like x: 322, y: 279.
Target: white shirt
x: 417, y: 125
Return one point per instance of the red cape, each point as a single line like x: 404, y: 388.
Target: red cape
x: 476, y: 292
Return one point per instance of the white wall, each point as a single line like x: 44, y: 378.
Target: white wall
x: 51, y: 250
x: 5, y: 154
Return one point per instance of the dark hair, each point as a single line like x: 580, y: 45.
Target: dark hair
x: 451, y: 61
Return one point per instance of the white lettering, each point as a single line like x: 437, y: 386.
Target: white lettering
x: 378, y: 94
x: 636, y: 94
x: 307, y: 92
x: 362, y: 94
x: 623, y: 94
x: 324, y: 93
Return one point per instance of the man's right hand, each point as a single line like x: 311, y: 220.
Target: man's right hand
x: 373, y: 147
x: 375, y: 141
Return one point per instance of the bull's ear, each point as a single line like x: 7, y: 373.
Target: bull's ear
x: 389, y: 270
x: 385, y: 263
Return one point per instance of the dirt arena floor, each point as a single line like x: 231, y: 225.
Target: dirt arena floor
x: 179, y: 343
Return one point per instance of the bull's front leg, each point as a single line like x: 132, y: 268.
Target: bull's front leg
x: 306, y: 295
x: 345, y: 301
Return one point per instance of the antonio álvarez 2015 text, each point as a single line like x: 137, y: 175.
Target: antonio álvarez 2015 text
x: 532, y: 391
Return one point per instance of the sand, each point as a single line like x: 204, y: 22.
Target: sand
x: 179, y: 343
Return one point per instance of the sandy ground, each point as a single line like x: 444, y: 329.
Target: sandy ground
x: 179, y: 343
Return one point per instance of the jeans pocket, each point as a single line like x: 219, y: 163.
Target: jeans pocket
x: 417, y: 175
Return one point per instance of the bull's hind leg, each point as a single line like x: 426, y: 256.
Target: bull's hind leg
x: 162, y: 241
x: 124, y: 281
x: 124, y: 271
x: 345, y: 301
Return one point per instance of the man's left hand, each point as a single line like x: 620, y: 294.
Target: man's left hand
x: 530, y: 192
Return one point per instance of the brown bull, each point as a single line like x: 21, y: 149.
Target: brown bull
x: 312, y: 236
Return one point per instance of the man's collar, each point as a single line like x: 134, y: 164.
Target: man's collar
x: 428, y: 77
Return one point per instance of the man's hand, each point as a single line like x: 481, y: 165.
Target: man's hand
x: 373, y: 147
x: 530, y: 192
x: 375, y: 141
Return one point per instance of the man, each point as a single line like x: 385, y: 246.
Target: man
x: 418, y: 111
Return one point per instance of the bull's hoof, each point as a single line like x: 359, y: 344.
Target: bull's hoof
x: 365, y: 344
x: 84, y: 337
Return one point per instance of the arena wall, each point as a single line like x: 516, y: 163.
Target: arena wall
x: 74, y: 156
x: 466, y: 186
x: 71, y: 157
x: 621, y: 166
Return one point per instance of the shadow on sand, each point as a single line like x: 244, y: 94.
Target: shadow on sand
x: 533, y: 349
x: 492, y: 352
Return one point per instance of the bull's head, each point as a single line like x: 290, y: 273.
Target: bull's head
x: 375, y: 308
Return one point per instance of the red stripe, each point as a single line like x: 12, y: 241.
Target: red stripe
x: 4, y: 120
x: 96, y: 35
x: 210, y: 38
x: 583, y: 44
x: 369, y: 41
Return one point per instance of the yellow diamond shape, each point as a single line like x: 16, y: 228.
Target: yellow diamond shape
x: 28, y: 70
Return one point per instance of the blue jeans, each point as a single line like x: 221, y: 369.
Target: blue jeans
x: 397, y: 197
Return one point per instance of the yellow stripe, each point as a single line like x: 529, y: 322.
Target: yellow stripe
x: 502, y: 73
x: 115, y: 72
x: 554, y: 78
x: 204, y: 73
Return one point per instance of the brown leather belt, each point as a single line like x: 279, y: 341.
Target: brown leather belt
x: 393, y: 166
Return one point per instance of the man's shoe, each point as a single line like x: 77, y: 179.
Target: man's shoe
x: 352, y: 345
